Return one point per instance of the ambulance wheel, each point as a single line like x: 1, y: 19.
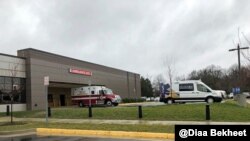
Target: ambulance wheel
x: 80, y: 104
x: 109, y: 103
x: 170, y: 101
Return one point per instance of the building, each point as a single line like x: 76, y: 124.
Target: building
x: 12, y: 73
x: 64, y: 73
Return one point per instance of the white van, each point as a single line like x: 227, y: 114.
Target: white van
x: 191, y: 91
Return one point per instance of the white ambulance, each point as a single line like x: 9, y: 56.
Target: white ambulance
x: 94, y: 95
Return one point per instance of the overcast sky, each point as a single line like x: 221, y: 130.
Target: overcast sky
x: 132, y: 35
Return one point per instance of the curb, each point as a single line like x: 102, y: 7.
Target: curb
x: 50, y: 131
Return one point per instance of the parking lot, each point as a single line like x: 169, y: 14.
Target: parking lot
x: 143, y: 104
x: 156, y: 103
x: 34, y: 137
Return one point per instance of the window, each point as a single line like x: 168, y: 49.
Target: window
x: 17, y: 81
x: 1, y: 86
x: 202, y: 88
x: 6, y: 87
x: 186, y: 87
x: 1, y: 79
x: 108, y: 91
x: 101, y: 92
x: 7, y: 80
x: 22, y: 81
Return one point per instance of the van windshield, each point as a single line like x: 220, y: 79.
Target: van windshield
x: 202, y: 88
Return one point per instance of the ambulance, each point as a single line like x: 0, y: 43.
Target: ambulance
x: 94, y: 95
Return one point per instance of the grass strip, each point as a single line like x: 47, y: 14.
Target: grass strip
x: 16, y: 126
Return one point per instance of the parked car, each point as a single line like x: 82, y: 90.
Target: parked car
x: 223, y: 93
x: 148, y: 99
x: 144, y: 97
x: 230, y: 96
x: 247, y: 94
x: 157, y: 99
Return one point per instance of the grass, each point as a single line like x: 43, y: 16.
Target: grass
x: 228, y: 111
x: 87, y: 126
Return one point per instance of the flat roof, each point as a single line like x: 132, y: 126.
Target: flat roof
x: 12, y: 56
x: 32, y: 49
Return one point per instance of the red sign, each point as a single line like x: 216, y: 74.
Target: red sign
x: 83, y: 72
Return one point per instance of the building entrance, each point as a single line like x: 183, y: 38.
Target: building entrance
x: 60, y: 94
x: 62, y: 100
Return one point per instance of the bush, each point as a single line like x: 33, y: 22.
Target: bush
x: 131, y: 100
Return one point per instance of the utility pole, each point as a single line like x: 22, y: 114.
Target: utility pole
x: 238, y: 49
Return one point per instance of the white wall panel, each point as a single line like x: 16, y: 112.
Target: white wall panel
x: 8, y: 63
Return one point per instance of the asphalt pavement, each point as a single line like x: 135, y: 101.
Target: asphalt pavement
x: 34, y: 137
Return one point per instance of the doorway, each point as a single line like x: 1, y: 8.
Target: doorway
x: 62, y: 100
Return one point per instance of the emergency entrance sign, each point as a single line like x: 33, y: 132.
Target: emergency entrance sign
x: 46, y: 81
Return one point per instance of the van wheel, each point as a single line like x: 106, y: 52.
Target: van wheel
x: 210, y: 100
x: 80, y: 104
x: 109, y: 103
x: 170, y: 101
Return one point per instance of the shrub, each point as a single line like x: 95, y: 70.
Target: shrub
x: 131, y: 100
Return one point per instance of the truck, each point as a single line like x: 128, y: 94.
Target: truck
x: 190, y: 91
x: 94, y: 95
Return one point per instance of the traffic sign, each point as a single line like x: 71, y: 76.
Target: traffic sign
x: 46, y: 81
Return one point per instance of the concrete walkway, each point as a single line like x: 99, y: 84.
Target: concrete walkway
x: 147, y: 122
x: 97, y: 133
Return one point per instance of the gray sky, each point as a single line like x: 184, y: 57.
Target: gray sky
x: 132, y: 35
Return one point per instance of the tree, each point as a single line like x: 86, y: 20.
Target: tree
x: 211, y: 75
x: 169, y: 63
x: 220, y: 79
x: 180, y: 78
x: 15, y: 89
x: 146, y: 87
x: 156, y: 84
x: 247, y: 43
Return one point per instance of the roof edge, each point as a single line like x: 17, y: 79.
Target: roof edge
x: 3, y: 54
x: 32, y: 49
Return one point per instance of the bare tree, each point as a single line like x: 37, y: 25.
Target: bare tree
x: 181, y: 78
x: 245, y: 55
x: 245, y: 42
x: 156, y: 84
x: 169, y: 63
x: 15, y: 89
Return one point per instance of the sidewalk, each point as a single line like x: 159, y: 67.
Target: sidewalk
x: 147, y: 122
x: 103, y: 133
